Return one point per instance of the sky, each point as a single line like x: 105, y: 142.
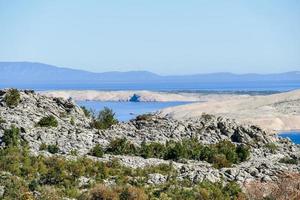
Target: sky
x: 161, y: 36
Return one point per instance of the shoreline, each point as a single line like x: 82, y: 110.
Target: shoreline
x: 272, y: 112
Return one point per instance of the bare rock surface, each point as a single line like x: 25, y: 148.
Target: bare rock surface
x: 263, y: 165
x: 272, y: 112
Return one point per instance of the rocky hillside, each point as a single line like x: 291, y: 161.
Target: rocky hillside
x: 75, y: 133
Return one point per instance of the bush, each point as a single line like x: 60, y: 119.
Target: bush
x: 287, y: 160
x: 12, y: 98
x: 2, y: 120
x: 222, y: 154
x: 272, y: 147
x: 152, y: 150
x: 121, y: 146
x: 52, y: 148
x: 105, y: 119
x: 49, y: 121
x: 57, y: 177
x: 174, y: 151
x: 87, y: 113
x: 243, y: 152
x: 50, y: 193
x: 43, y: 147
x: 132, y: 193
x: 101, y: 192
x: 220, y: 161
x: 97, y: 151
x: 11, y: 137
x: 72, y: 121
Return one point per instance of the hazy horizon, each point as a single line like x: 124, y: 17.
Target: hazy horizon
x: 124, y: 71
x: 167, y: 38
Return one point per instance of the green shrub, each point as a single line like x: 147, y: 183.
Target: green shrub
x: 52, y: 148
x: 174, y: 151
x: 72, y: 121
x: 87, y: 113
x: 101, y: 192
x: 132, y: 193
x: 220, y: 161
x: 49, y: 121
x: 105, y: 119
x: 56, y: 177
x: 43, y: 147
x: 97, y: 151
x: 12, y: 98
x: 74, y: 152
x: 228, y: 149
x: 243, y: 152
x: 2, y: 120
x: 272, y: 147
x: 222, y: 154
x: 287, y: 160
x: 152, y: 150
x: 121, y: 146
x: 11, y: 137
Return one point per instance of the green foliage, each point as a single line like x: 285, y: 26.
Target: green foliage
x: 56, y: 177
x: 2, y: 120
x: 105, y: 119
x: 43, y: 147
x: 121, y: 146
x: 174, y: 151
x: 272, y: 147
x: 222, y: 154
x: 49, y: 121
x: 243, y: 152
x: 287, y: 160
x: 97, y: 151
x: 12, y: 98
x: 11, y: 136
x: 152, y: 150
x: 52, y: 148
x: 74, y: 152
x: 72, y: 121
x: 87, y: 113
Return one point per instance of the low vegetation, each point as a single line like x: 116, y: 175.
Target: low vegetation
x: 272, y: 147
x: 2, y: 120
x: 97, y: 151
x: 11, y: 137
x: 49, y: 121
x: 105, y: 119
x: 222, y: 154
x: 24, y: 176
x: 12, y: 98
x: 51, y: 148
x: 288, y: 160
x: 87, y: 112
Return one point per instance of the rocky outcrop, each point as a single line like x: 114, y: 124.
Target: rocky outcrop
x: 75, y: 133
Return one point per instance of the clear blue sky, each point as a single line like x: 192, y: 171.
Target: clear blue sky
x: 162, y: 36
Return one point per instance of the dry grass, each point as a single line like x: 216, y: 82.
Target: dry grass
x: 287, y: 187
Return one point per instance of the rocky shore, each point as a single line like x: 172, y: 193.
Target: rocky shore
x: 74, y: 133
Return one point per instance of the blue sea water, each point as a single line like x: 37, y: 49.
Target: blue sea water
x: 167, y: 86
x: 128, y: 110
x: 293, y: 135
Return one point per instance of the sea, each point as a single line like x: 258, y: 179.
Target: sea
x: 128, y: 110
x: 124, y: 111
x: 293, y: 135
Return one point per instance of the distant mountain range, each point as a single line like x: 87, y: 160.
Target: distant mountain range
x: 39, y: 75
